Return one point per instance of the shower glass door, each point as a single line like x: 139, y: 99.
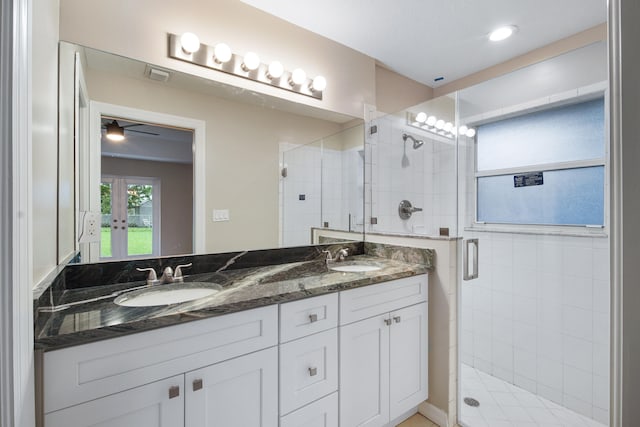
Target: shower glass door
x: 534, y: 284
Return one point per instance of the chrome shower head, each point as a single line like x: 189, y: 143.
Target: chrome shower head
x: 417, y: 143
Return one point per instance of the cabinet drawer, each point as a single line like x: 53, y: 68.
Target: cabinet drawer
x: 308, y: 369
x: 368, y: 301
x: 85, y: 372
x: 308, y: 316
x: 322, y: 413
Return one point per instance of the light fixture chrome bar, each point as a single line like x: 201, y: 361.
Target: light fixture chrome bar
x: 205, y: 58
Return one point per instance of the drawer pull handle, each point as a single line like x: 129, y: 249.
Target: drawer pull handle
x: 387, y: 322
x: 397, y: 319
x: 174, y: 391
x: 197, y: 385
x: 313, y: 318
x: 313, y: 372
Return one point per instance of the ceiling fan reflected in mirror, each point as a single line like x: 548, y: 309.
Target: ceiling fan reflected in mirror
x: 115, y: 132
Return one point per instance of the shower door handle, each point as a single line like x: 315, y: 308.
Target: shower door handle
x: 465, y: 259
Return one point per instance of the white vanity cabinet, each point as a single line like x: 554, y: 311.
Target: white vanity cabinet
x: 170, y: 375
x: 383, y: 351
x: 353, y: 358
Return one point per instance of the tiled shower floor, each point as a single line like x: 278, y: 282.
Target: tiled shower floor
x: 505, y: 405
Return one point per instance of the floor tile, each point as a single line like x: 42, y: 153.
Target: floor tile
x: 506, y: 405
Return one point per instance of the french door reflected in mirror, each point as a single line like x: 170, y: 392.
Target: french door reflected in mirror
x: 130, y: 225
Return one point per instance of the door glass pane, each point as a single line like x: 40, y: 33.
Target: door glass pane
x: 107, y: 219
x: 140, y: 219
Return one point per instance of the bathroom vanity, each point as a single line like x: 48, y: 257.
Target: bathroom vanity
x: 294, y: 344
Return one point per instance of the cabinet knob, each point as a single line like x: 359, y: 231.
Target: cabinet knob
x: 197, y: 384
x: 313, y: 372
x: 313, y: 318
x: 387, y: 322
x: 174, y: 391
x: 396, y: 319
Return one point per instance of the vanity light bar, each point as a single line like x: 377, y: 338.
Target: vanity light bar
x: 438, y: 126
x: 221, y: 58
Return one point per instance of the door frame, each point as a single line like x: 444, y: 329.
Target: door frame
x: 99, y: 109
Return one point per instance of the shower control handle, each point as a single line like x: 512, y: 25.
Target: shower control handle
x: 406, y: 209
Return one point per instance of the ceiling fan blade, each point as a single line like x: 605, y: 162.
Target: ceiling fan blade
x: 141, y: 131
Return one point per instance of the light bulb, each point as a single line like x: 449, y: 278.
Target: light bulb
x: 448, y: 126
x: 221, y: 53
x: 502, y: 33
x: 421, y: 117
x: 463, y: 130
x: 275, y: 70
x: 190, y: 43
x: 319, y: 84
x: 298, y: 76
x: 440, y: 124
x: 431, y: 120
x: 470, y: 133
x: 250, y: 62
x: 454, y: 130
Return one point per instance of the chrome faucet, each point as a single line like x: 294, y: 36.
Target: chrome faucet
x: 168, y: 275
x: 341, y: 255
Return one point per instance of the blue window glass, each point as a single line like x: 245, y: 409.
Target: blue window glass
x: 563, y: 134
x: 567, y: 196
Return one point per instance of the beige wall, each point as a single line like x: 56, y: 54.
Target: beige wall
x: 241, y: 153
x: 44, y: 136
x: 176, y: 198
x: 395, y: 92
x: 141, y: 27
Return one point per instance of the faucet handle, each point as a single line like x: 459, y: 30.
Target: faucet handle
x: 328, y: 255
x: 152, y: 278
x: 178, y: 272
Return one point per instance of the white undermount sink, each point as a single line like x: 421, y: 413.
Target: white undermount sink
x: 354, y: 267
x: 167, y: 294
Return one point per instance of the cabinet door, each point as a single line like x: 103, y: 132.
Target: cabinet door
x: 364, y: 373
x: 408, y: 358
x: 240, y: 392
x: 159, y: 404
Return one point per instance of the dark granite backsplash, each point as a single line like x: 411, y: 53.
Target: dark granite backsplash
x: 78, y: 276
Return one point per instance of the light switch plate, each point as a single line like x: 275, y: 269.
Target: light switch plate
x: 220, y: 215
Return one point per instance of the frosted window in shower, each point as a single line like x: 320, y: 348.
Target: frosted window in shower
x: 569, y: 133
x: 559, y: 151
x: 567, y: 197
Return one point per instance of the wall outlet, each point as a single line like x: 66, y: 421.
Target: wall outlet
x: 90, y: 231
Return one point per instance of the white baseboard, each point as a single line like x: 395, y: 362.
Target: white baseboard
x: 434, y: 413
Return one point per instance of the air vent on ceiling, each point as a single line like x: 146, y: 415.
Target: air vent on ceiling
x: 157, y: 74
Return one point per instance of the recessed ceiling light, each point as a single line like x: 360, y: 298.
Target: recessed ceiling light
x: 502, y: 33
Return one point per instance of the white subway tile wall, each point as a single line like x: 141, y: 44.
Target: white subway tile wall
x: 425, y: 176
x: 322, y: 185
x: 538, y: 317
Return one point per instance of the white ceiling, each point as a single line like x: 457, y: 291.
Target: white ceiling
x: 426, y: 39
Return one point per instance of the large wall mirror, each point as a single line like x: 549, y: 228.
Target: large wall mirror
x: 196, y: 166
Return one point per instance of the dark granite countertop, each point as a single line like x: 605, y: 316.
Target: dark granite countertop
x: 243, y: 289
